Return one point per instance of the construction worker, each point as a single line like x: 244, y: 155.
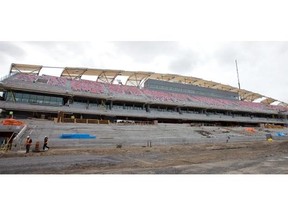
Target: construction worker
x: 28, y: 144
x: 45, y: 143
x: 11, y: 115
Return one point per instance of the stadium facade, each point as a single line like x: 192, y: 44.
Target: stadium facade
x: 144, y: 96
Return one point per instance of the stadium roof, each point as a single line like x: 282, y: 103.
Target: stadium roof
x: 137, y: 78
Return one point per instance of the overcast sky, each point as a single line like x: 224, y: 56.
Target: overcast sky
x: 193, y: 38
x: 262, y: 66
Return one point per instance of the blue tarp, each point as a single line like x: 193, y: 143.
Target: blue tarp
x: 280, y: 134
x: 77, y: 136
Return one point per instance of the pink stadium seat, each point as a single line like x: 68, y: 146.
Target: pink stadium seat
x: 122, y: 90
x: 57, y: 81
x: 25, y: 77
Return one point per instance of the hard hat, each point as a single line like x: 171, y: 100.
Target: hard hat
x: 28, y: 136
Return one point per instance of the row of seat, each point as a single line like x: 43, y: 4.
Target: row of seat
x: 24, y: 77
x: 56, y: 81
x: 122, y: 89
x: 128, y: 91
x: 87, y: 86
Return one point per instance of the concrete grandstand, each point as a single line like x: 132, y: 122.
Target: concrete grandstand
x: 171, y: 98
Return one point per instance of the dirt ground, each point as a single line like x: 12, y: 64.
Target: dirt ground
x: 227, y: 158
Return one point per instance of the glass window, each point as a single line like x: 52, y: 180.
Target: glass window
x: 47, y: 99
x: 18, y: 97
x: 32, y: 99
x: 59, y: 100
x: 24, y: 95
x: 40, y: 99
x: 53, y: 101
x: 9, y: 96
x: 25, y: 98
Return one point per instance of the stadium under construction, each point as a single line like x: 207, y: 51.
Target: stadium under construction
x: 117, y: 95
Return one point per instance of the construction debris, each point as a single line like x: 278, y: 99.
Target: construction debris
x: 13, y: 122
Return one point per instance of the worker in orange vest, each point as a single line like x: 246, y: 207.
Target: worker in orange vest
x: 28, y: 144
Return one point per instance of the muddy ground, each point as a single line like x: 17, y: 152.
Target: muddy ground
x: 228, y: 158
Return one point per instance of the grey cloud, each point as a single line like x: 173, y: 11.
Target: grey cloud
x: 65, y: 51
x: 11, y: 49
x: 146, y: 51
x: 242, y: 51
x: 60, y: 48
x: 60, y: 45
x: 283, y: 47
x: 262, y: 65
x: 184, y: 62
x: 254, y: 58
x: 228, y: 54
